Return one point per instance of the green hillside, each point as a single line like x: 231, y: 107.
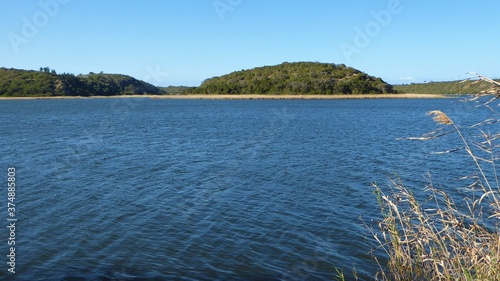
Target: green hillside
x: 296, y: 78
x: 24, y: 83
x: 444, y: 88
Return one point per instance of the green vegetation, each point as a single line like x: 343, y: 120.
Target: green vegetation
x: 295, y: 78
x: 24, y: 83
x: 439, y: 238
x: 443, y: 88
x: 286, y: 78
x: 176, y: 90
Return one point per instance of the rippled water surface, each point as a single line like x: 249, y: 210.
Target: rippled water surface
x: 140, y: 189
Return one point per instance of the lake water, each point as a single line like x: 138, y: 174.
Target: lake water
x: 145, y: 189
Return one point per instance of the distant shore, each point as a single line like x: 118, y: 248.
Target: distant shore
x: 247, y: 97
x: 300, y: 97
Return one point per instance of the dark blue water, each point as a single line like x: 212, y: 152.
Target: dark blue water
x: 142, y: 189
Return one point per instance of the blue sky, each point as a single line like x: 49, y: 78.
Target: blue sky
x: 183, y: 42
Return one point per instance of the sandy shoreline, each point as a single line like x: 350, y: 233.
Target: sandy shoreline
x: 247, y: 97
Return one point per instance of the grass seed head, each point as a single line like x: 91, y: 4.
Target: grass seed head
x: 440, y: 117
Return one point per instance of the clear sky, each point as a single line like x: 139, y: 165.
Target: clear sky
x: 183, y: 42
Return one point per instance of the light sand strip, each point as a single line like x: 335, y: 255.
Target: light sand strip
x: 248, y: 97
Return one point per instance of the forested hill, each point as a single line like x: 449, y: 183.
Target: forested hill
x: 24, y: 83
x: 296, y: 78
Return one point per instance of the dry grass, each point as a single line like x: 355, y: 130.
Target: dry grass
x: 249, y: 97
x: 440, y: 117
x: 437, y: 239
x: 440, y: 243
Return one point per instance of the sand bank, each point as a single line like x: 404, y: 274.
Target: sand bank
x: 249, y: 97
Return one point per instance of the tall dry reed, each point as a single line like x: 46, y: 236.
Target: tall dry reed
x: 437, y: 239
